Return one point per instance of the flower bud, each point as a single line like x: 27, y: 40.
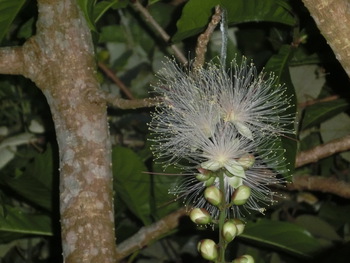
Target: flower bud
x: 202, y: 177
x: 239, y: 225
x: 213, y: 195
x: 241, y: 195
x: 208, y: 249
x: 200, y: 216
x: 244, y: 259
x: 247, y: 161
x: 229, y: 231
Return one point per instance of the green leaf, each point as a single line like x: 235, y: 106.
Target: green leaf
x: 197, y: 13
x: 164, y: 203
x: 151, y: 2
x: 8, y: 11
x: 318, y: 227
x: 285, y: 145
x: 35, y: 184
x: 102, y: 7
x: 130, y: 183
x: 18, y: 223
x: 284, y: 236
x: 317, y: 113
x: 87, y: 7
x: 335, y: 128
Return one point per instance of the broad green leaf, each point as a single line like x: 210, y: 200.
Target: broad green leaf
x: 306, y: 82
x: 102, y: 7
x: 8, y: 11
x: 335, y: 128
x: 131, y: 184
x: 162, y: 181
x: 317, y: 113
x: 284, y: 236
x: 337, y: 215
x: 197, y: 13
x: 17, y: 223
x: 87, y: 7
x: 318, y: 227
x: 286, y: 145
x: 35, y: 183
x: 151, y: 2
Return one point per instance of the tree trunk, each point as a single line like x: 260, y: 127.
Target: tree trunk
x: 332, y: 18
x: 60, y: 60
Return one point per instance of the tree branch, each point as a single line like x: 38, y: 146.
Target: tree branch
x: 150, y: 233
x: 11, y: 60
x: 204, y: 38
x: 323, y: 151
x: 319, y: 183
x: 116, y: 80
x: 332, y: 18
x: 164, y: 35
x: 130, y: 104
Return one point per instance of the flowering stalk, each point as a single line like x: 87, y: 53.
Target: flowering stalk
x: 222, y: 217
x: 220, y: 125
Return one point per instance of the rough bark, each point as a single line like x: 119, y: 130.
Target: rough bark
x: 60, y: 60
x: 332, y: 18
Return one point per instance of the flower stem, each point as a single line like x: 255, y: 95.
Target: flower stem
x: 222, y: 217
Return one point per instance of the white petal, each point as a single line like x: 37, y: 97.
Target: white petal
x: 243, y: 130
x: 211, y: 165
x: 234, y: 181
x: 235, y: 168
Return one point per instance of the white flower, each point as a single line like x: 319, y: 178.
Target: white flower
x: 219, y: 122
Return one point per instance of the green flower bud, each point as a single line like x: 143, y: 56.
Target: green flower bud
x: 200, y: 216
x: 241, y: 195
x: 247, y: 161
x: 229, y: 231
x: 213, y: 195
x: 202, y: 177
x: 210, y: 181
x: 244, y: 259
x: 208, y: 249
x: 239, y: 225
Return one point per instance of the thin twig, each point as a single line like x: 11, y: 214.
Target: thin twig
x: 126, y: 104
x: 203, y: 39
x: 116, y: 80
x: 150, y: 233
x: 164, y: 35
x: 312, y: 102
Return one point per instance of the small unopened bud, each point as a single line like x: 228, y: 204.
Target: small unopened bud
x: 239, y: 225
x: 229, y: 231
x: 208, y: 249
x: 202, y: 177
x: 200, y: 216
x: 241, y: 195
x: 247, y: 161
x: 244, y: 259
x: 213, y: 195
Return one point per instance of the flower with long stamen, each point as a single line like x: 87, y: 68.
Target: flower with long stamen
x: 220, y: 125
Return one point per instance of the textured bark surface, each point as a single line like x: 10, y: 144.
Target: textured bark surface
x: 60, y: 60
x: 332, y: 18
